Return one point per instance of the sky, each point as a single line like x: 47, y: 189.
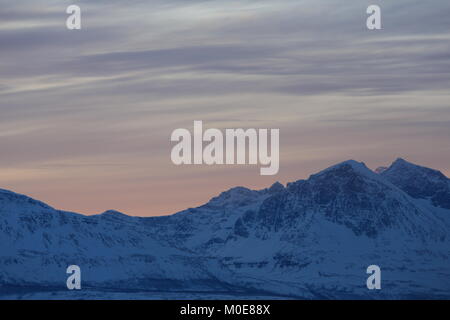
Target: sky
x: 86, y: 115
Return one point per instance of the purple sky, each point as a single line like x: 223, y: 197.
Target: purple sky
x: 86, y: 116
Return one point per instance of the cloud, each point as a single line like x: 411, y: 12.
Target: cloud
x: 113, y: 91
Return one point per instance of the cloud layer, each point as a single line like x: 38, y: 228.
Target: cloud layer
x: 86, y: 115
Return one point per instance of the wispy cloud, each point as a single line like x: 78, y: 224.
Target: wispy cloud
x: 112, y: 92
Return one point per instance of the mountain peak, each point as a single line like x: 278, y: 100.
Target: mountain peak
x: 349, y: 194
x: 276, y: 187
x: 235, y: 197
x: 353, y: 163
x: 20, y: 200
x: 355, y: 166
x: 402, y: 166
x: 420, y: 182
x: 402, y: 162
x: 113, y: 213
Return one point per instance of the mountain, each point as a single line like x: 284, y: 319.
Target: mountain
x: 311, y: 239
x: 420, y: 182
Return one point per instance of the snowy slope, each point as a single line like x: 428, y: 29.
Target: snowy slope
x: 420, y: 182
x: 313, y: 238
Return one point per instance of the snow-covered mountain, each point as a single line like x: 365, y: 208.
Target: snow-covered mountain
x: 313, y: 238
x: 420, y: 182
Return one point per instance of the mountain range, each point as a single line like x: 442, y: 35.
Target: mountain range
x: 310, y: 239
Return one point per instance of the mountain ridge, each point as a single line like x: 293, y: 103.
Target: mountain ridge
x: 420, y: 182
x: 311, y: 238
